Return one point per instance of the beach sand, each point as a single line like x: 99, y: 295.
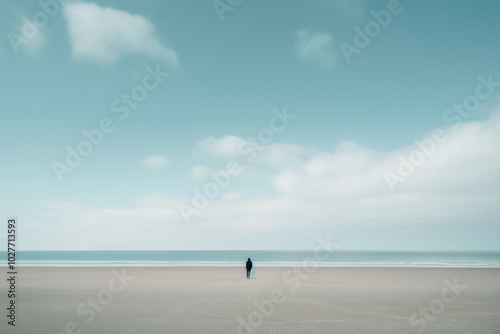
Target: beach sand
x: 278, y: 300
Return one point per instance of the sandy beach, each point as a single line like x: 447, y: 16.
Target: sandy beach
x: 278, y: 300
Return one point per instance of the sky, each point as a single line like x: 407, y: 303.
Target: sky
x: 234, y: 124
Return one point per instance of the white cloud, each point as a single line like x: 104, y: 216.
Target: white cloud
x: 468, y: 160
x: 458, y: 184
x: 284, y: 155
x: 315, y: 47
x: 155, y: 162
x: 71, y: 229
x: 273, y: 154
x: 231, y: 196
x: 199, y: 172
x: 104, y: 34
x: 225, y: 147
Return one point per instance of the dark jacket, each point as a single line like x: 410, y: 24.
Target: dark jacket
x: 249, y: 265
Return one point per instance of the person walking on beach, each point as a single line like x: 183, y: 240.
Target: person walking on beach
x: 249, y: 267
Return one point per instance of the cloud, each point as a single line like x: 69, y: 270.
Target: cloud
x: 231, y: 196
x: 225, y: 147
x: 119, y: 226
x: 348, y: 183
x: 276, y: 154
x: 155, y: 162
x: 315, y: 47
x: 199, y: 172
x: 284, y: 154
x: 105, y: 34
x: 458, y: 184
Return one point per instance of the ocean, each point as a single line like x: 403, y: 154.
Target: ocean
x: 337, y: 258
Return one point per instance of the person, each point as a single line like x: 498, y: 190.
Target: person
x: 249, y: 267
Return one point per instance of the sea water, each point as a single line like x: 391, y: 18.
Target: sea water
x: 337, y: 258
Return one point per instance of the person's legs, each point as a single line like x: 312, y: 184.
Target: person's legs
x: 248, y: 273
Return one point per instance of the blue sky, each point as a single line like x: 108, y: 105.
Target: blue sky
x: 334, y: 167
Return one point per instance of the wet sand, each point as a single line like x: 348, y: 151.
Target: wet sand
x: 278, y: 300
